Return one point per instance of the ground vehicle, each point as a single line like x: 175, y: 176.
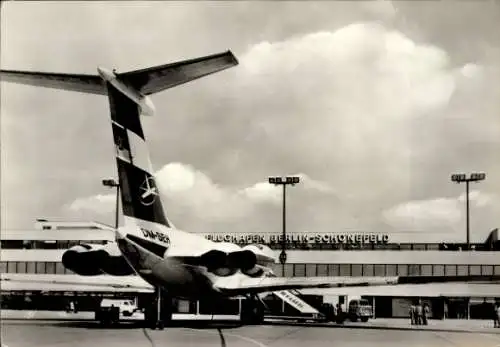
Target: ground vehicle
x: 109, y: 310
x: 359, y: 309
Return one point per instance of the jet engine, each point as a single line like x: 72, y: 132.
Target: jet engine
x: 227, y: 260
x: 227, y: 264
x: 263, y: 255
x: 92, y: 260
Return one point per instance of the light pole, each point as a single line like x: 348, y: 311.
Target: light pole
x: 288, y: 180
x: 113, y: 184
x: 460, y: 178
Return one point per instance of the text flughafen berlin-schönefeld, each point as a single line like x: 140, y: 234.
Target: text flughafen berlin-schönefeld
x: 310, y: 238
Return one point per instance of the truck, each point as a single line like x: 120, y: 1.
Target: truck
x: 359, y: 309
x: 110, y: 310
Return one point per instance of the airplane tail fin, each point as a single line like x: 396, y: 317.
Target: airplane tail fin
x: 127, y: 94
x: 139, y: 191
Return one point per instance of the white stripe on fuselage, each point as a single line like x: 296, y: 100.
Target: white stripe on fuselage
x: 180, y: 243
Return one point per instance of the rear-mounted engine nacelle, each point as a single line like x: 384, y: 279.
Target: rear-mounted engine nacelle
x: 92, y: 260
x: 227, y: 264
x: 84, y: 260
x: 264, y: 254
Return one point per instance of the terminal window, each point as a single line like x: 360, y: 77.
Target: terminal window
x: 379, y: 270
x: 22, y: 267
x: 475, y: 270
x: 367, y: 269
x: 391, y: 270
x: 357, y: 270
x: 311, y: 270
x: 11, y: 267
x: 322, y: 270
x: 333, y: 270
x: 487, y: 270
x: 300, y: 270
x: 426, y: 270
x: 462, y: 270
x: 289, y: 270
x: 345, y: 270
x: 450, y: 270
x: 413, y: 270
x: 40, y: 267
x: 50, y: 267
x: 60, y: 269
x: 402, y: 270
x: 438, y: 270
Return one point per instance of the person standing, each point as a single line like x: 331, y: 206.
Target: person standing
x: 425, y: 316
x: 495, y: 316
x: 412, y: 314
x: 498, y: 314
x: 420, y: 313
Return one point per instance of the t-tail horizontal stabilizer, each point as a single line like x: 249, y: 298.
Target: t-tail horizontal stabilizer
x: 144, y: 82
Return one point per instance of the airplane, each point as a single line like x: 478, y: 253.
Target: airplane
x: 176, y: 263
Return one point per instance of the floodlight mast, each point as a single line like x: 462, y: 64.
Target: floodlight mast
x: 460, y: 178
x: 284, y: 181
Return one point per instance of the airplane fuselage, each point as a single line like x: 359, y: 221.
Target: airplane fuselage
x: 182, y: 276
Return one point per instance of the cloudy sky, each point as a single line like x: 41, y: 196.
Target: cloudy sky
x: 374, y: 104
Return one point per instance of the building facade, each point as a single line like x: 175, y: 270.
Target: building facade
x: 38, y: 252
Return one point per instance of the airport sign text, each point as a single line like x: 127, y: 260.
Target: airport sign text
x: 303, y: 238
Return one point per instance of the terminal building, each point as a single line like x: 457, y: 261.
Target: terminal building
x: 38, y: 252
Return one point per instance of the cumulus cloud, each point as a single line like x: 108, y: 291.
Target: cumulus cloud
x: 365, y: 110
x: 362, y: 106
x: 191, y: 192
x: 445, y: 214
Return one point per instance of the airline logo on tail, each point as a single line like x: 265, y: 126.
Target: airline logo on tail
x: 150, y: 192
